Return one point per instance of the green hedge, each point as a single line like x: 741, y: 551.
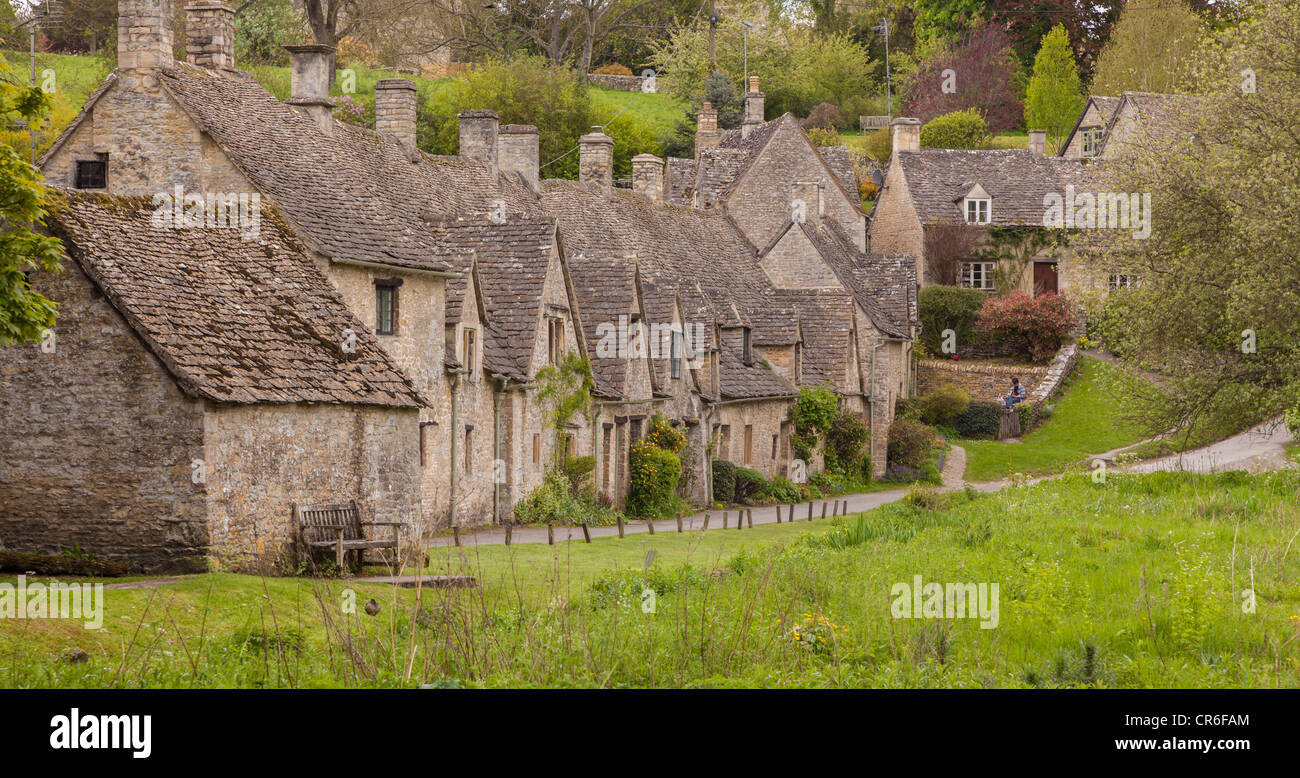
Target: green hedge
x: 979, y: 420
x: 724, y: 481
x: 948, y: 307
x: 749, y: 485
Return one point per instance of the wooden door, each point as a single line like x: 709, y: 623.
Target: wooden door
x: 1045, y: 277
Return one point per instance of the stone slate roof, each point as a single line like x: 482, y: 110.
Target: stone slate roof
x: 881, y: 285
x: 606, y: 289
x: 679, y: 180
x: 1016, y: 180
x: 233, y: 320
x: 697, y: 255
x: 1156, y: 114
x: 351, y: 194
x: 826, y: 319
x: 1106, y: 105
x: 746, y: 382
x: 511, y: 261
x: 840, y: 160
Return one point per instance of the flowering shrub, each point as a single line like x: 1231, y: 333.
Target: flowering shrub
x: 817, y: 633
x: 665, y: 435
x: 1034, y: 326
x: 653, y: 474
x: 614, y: 69
x: 910, y: 443
x: 351, y: 110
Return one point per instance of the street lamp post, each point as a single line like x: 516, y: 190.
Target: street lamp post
x: 745, y: 35
x: 889, y: 91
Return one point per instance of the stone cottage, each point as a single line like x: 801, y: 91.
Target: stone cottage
x: 197, y: 385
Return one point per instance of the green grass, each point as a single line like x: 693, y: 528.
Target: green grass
x: 1132, y: 582
x: 1010, y: 140
x: 76, y: 76
x: 1089, y: 418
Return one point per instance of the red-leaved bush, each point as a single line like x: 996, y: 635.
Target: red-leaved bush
x: 1035, y: 326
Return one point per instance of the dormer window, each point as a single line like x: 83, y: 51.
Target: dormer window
x: 1091, y: 141
x: 977, y: 210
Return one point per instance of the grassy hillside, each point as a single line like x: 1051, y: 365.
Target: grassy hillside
x: 1134, y: 582
x: 77, y: 76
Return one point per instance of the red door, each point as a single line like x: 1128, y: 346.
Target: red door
x: 1044, y: 277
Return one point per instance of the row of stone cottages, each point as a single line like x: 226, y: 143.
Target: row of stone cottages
x: 374, y: 331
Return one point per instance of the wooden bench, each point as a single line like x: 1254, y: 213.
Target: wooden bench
x: 340, y: 527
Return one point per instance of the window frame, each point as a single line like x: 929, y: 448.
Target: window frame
x: 1089, y: 140
x: 986, y: 202
x: 389, y: 286
x: 1121, y: 281
x: 469, y: 348
x: 101, y: 163
x: 986, y: 275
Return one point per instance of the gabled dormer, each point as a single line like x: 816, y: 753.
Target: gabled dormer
x: 976, y: 205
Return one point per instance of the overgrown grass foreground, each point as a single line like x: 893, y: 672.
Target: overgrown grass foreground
x: 1134, y: 582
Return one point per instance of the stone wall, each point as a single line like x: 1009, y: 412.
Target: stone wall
x: 760, y: 202
x: 1059, y: 369
x: 794, y: 263
x: 983, y: 381
x: 625, y: 83
x: 261, y: 459
x: 97, y: 442
x: 765, y: 418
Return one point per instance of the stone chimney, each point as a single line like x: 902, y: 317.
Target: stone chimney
x: 809, y: 193
x: 706, y: 130
x: 210, y: 34
x: 144, y: 34
x: 1038, y: 142
x: 753, y: 108
x: 309, y: 79
x: 648, y: 176
x: 517, y: 151
x: 907, y: 134
x: 395, y: 109
x: 478, y: 137
x: 596, y: 159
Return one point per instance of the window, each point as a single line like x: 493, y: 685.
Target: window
x: 554, y: 339
x: 469, y: 449
x: 386, y: 306
x: 1091, y: 141
x: 977, y: 275
x: 774, y: 439
x: 537, y: 448
x: 1122, y: 281
x: 724, y: 444
x: 92, y: 173
x: 749, y: 443
x: 798, y: 360
x: 468, y: 348
x: 675, y: 352
x: 977, y: 210
x: 604, y: 456
x: 747, y: 350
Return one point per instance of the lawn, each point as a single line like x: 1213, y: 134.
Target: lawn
x: 1089, y: 418
x: 1136, y: 581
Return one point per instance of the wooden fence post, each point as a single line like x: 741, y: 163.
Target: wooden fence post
x: 509, y: 532
x: 778, y: 514
x: 706, y: 522
x: 619, y: 518
x: 823, y: 509
x: 679, y: 521
x: 550, y: 534
x: 650, y: 524
x: 724, y: 519
x: 586, y: 533
x: 749, y: 517
x: 810, y: 510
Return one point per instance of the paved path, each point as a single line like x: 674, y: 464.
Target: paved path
x: 857, y: 503
x: 1262, y: 447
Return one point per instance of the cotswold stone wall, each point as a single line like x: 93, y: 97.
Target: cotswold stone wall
x: 764, y: 418
x: 261, y: 459
x: 625, y: 83
x: 1059, y: 369
x: 982, y: 380
x: 97, y: 442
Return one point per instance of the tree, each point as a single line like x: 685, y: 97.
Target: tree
x: 1087, y: 24
x: 956, y: 130
x: 1150, y: 49
x: 1219, y: 277
x: 1055, y: 95
x: 24, y: 314
x: 983, y: 77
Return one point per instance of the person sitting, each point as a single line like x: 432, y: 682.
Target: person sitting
x: 1017, y: 394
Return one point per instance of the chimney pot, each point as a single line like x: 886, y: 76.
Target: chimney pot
x: 395, y: 100
x: 754, y: 111
x: 1038, y: 142
x: 144, y: 34
x: 210, y: 34
x: 906, y: 134
x: 596, y: 159
x: 517, y: 151
x: 648, y: 176
x: 478, y: 137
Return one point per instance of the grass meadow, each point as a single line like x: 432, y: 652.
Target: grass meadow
x: 1134, y: 582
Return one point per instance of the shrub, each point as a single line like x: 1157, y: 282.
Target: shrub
x: 879, y: 145
x: 614, y: 69
x: 948, y: 307
x: 1034, y: 327
x: 578, y: 471
x: 665, y: 435
x: 781, y: 490
x: 824, y: 137
x: 824, y: 117
x: 550, y: 502
x: 910, y: 442
x: 653, y: 474
x: 749, y: 485
x: 943, y: 403
x: 979, y: 420
x: 813, y: 412
x: 846, y: 445
x: 1292, y: 420
x: 956, y: 130
x: 724, y: 480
